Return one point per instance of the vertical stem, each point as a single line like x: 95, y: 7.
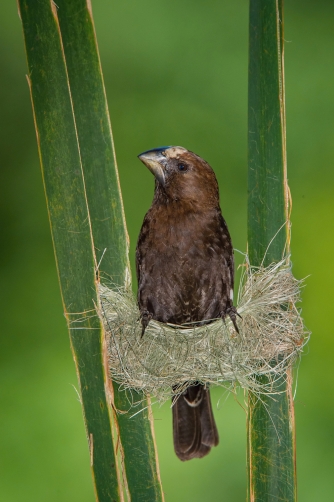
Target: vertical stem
x: 137, y: 452
x: 270, y: 424
x: 89, y: 232
x: 71, y: 231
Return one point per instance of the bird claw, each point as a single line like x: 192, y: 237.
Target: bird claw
x: 232, y: 313
x: 145, y: 317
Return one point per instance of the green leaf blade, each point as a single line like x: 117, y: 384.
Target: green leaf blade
x: 108, y: 223
x: 71, y: 229
x: 266, y: 194
x: 271, y: 436
x: 95, y: 138
x: 142, y: 468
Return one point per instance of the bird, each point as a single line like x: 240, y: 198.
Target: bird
x: 185, y: 273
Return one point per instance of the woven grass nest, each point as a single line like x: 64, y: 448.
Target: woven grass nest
x: 168, y: 358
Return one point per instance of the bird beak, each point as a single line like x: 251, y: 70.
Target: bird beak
x: 155, y: 161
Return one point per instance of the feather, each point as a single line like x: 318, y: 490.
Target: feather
x: 185, y: 271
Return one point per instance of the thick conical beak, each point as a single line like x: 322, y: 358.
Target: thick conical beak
x: 155, y: 160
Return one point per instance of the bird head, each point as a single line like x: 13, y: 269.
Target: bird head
x: 182, y: 176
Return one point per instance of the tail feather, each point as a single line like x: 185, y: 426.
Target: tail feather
x: 194, y: 427
x: 208, y: 425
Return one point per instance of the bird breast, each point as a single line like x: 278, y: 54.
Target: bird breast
x: 182, y: 270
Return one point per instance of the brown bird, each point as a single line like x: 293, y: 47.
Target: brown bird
x: 185, y: 272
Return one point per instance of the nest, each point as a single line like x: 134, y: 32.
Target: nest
x: 169, y: 358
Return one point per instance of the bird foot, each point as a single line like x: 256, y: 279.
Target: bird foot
x: 145, y: 317
x: 232, y: 313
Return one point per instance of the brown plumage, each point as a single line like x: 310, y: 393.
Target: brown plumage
x: 185, y: 272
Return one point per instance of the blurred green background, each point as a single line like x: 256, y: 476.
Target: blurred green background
x: 175, y: 73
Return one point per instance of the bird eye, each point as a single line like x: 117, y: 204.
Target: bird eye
x: 182, y: 167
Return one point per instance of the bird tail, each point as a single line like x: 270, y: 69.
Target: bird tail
x: 194, y: 427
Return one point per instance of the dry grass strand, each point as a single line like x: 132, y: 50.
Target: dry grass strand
x: 271, y: 339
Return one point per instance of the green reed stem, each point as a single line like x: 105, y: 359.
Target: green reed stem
x: 270, y: 424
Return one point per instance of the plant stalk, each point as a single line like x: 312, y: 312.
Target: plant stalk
x: 138, y: 450
x: 270, y: 422
x: 71, y: 230
x: 89, y: 233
